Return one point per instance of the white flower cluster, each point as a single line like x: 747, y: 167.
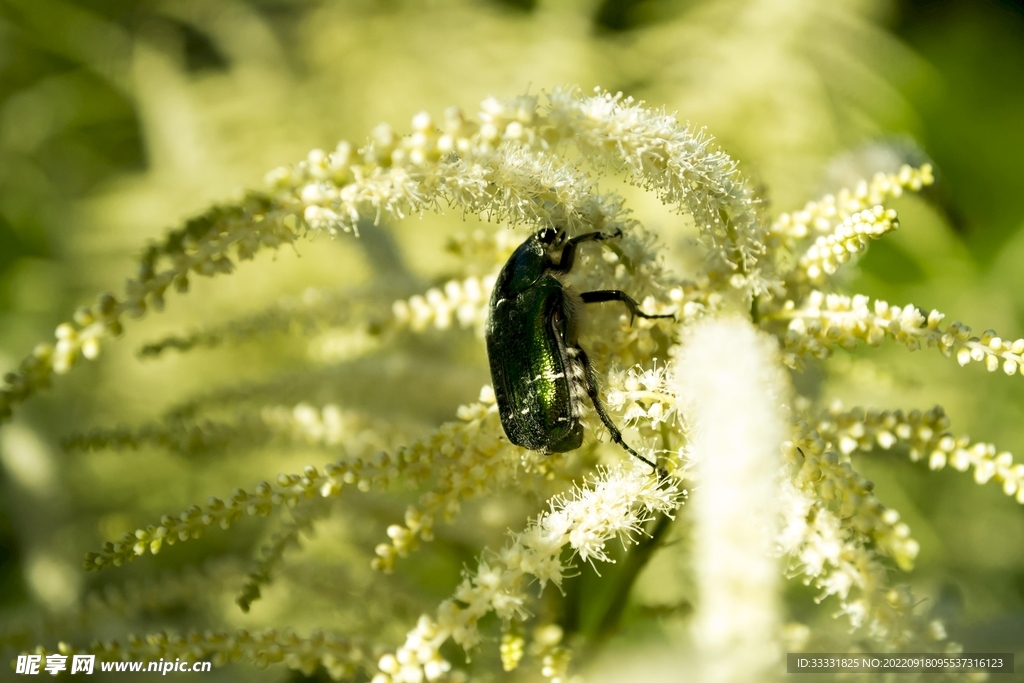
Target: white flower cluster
x: 736, y: 463
x: 829, y: 555
x: 851, y: 237
x: 480, y: 251
x: 683, y: 166
x: 828, y: 320
x: 503, y: 167
x: 833, y: 481
x: 465, y: 301
x: 328, y: 425
x: 821, y: 216
x: 271, y: 553
x: 615, y: 505
x: 926, y: 435
x: 463, y: 162
x: 201, y: 247
x: 465, y: 459
x: 643, y: 396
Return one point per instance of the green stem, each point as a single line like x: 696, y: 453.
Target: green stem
x: 572, y: 607
x: 633, y: 564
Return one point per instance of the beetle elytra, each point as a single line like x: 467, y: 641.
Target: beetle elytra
x: 539, y: 372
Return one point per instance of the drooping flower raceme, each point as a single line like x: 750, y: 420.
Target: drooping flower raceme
x: 615, y: 505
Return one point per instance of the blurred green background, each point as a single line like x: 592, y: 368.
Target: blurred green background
x: 120, y: 118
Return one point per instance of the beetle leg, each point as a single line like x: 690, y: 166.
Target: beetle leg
x: 603, y: 295
x: 590, y: 384
x: 569, y: 250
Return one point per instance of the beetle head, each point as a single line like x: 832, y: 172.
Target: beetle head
x: 547, y: 235
x: 529, y: 262
x: 552, y: 238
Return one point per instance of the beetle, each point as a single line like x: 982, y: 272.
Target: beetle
x: 539, y: 372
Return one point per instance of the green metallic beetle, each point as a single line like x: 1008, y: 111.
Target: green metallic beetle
x: 539, y: 372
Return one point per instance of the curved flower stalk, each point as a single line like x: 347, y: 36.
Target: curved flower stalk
x: 328, y: 426
x: 313, y: 310
x: 501, y: 168
x: 290, y: 490
x: 473, y: 462
x: 823, y: 215
x: 466, y: 459
x: 201, y: 247
x: 850, y: 238
x: 477, y: 463
x: 835, y: 483
x: 835, y: 534
x: 615, y: 505
x: 826, y: 321
x: 827, y: 554
x: 925, y: 434
x: 463, y: 301
x: 684, y: 167
x: 271, y: 554
x: 413, y: 464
